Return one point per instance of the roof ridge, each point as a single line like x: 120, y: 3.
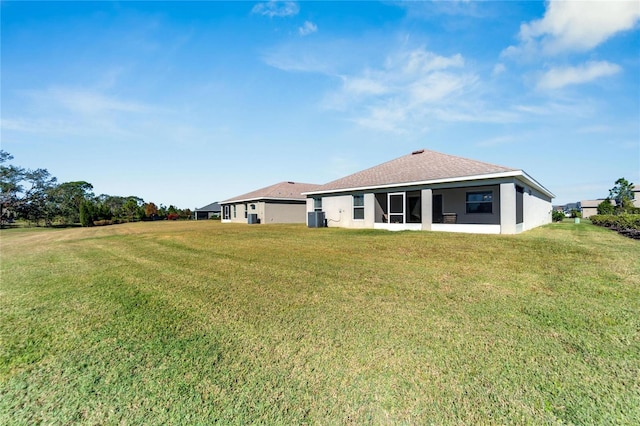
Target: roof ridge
x: 418, y: 166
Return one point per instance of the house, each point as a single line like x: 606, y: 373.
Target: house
x: 279, y: 203
x: 590, y: 207
x: 432, y: 191
x: 207, y: 212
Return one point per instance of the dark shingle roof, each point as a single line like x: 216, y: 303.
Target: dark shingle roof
x: 279, y: 191
x: 213, y: 207
x: 419, y: 166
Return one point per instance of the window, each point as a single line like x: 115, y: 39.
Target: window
x: 480, y: 202
x: 358, y: 207
x: 234, y: 211
x: 246, y: 210
x: 317, y: 204
x: 253, y: 206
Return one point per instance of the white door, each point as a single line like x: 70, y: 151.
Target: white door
x: 396, y: 203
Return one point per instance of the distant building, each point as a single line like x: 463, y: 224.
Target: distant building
x: 590, y: 207
x: 208, y: 212
x: 279, y: 203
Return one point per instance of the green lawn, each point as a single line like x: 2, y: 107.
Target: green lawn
x: 198, y: 322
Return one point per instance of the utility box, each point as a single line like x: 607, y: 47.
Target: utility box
x: 252, y: 219
x: 315, y: 220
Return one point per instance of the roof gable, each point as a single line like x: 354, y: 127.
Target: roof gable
x: 279, y: 191
x: 419, y: 166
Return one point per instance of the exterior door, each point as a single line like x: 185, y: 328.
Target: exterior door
x: 226, y: 212
x: 396, y: 203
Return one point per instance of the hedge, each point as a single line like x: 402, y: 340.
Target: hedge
x: 626, y: 224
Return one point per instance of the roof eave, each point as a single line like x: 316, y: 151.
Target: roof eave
x: 513, y: 173
x: 246, y: 200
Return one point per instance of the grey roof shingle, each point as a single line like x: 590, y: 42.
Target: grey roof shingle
x: 419, y: 166
x: 213, y: 207
x: 279, y: 191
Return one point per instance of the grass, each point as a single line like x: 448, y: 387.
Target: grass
x: 199, y: 322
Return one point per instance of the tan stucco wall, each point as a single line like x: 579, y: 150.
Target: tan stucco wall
x: 269, y: 212
x: 339, y: 211
x: 589, y: 211
x: 283, y: 213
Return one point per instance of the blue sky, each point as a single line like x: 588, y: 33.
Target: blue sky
x: 187, y: 103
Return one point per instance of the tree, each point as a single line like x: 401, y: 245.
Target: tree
x: 622, y: 193
x: 69, y: 196
x: 10, y: 178
x: 87, y: 213
x: 31, y: 203
x: 605, y: 207
x: 150, y: 210
x: 132, y: 208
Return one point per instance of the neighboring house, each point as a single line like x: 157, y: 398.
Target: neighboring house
x: 212, y: 210
x: 428, y: 190
x: 279, y: 203
x: 590, y: 207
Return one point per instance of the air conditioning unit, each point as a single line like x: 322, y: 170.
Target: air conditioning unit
x: 252, y: 219
x: 315, y: 220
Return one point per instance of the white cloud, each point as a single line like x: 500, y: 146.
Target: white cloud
x: 575, y: 26
x: 64, y: 110
x: 498, y: 69
x: 88, y: 102
x: 557, y: 78
x: 308, y: 28
x: 364, y: 85
x: 402, y: 92
x: 275, y: 8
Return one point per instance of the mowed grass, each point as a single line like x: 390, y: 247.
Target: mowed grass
x: 202, y: 322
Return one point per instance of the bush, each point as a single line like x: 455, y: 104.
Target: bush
x: 626, y: 224
x: 605, y: 207
x: 557, y: 216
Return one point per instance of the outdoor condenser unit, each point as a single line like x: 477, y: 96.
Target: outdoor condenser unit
x: 252, y: 219
x: 315, y: 219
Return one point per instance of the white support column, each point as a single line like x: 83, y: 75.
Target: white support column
x: 426, y: 200
x: 507, y: 208
x: 369, y: 210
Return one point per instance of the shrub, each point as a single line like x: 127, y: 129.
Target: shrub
x: 605, y: 207
x: 557, y: 216
x: 626, y: 224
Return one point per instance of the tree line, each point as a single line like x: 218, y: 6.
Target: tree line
x: 36, y: 197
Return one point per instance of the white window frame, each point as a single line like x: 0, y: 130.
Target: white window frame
x: 358, y: 207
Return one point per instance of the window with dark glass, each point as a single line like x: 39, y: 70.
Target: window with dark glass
x: 480, y: 202
x: 317, y: 204
x: 358, y: 207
